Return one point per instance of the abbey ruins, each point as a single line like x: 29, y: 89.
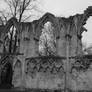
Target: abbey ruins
x: 31, y: 70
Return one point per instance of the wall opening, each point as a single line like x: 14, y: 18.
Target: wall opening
x: 47, y: 42
x: 87, y: 37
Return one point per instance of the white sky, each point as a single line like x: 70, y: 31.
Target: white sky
x: 67, y: 8
x: 71, y: 7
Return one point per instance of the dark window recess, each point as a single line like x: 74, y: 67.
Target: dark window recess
x: 26, y: 39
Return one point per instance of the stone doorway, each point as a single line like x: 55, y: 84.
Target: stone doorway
x: 6, y: 76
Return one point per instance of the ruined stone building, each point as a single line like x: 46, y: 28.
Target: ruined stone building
x: 31, y: 68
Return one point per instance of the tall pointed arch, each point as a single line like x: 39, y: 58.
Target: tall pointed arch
x: 47, y: 17
x: 10, y: 34
x: 47, y: 41
x: 11, y: 22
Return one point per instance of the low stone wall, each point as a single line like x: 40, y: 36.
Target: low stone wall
x: 45, y: 73
x: 45, y: 81
x: 48, y: 73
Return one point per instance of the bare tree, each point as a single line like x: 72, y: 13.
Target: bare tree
x: 4, y: 16
x: 18, y: 9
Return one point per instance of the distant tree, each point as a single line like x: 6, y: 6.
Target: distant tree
x: 4, y: 16
x: 86, y: 49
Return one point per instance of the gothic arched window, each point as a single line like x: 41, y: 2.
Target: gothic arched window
x: 47, y: 42
x: 11, y: 40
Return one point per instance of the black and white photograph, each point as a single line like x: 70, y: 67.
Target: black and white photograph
x: 45, y: 45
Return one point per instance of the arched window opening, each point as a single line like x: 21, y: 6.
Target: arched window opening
x: 87, y: 38
x: 11, y: 42
x: 47, y: 42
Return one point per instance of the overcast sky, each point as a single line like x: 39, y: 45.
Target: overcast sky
x: 67, y: 8
x: 71, y: 7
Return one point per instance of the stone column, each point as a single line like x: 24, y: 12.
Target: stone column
x: 67, y: 63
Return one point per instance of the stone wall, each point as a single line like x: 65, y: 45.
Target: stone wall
x: 28, y: 37
x: 29, y: 44
x: 45, y: 73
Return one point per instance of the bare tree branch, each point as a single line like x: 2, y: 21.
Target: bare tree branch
x: 18, y: 8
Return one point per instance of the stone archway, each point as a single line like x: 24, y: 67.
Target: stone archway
x: 7, y: 60
x: 17, y: 73
x: 6, y: 74
x: 11, y: 22
x: 40, y: 25
x: 51, y: 18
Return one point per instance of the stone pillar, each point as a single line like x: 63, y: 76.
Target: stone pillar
x: 61, y: 44
x: 67, y: 63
